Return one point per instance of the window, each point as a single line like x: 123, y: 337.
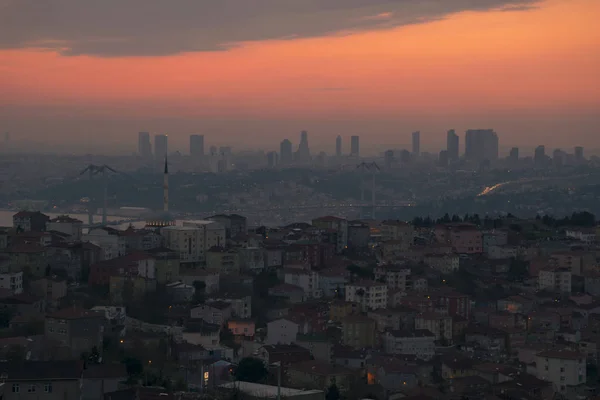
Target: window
x: 48, y: 387
x: 15, y: 388
x: 31, y: 389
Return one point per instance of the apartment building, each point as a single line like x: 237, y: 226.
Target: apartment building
x: 438, y: 324
x: 555, y: 280
x: 370, y: 295
x: 561, y: 367
x: 419, y: 342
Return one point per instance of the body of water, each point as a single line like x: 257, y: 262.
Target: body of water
x: 6, y: 219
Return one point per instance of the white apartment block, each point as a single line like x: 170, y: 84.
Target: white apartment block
x: 555, y: 280
x: 561, y: 367
x: 370, y: 295
x: 418, y: 342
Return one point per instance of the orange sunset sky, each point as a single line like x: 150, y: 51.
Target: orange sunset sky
x: 92, y: 78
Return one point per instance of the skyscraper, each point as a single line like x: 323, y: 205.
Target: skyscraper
x: 303, y: 154
x: 416, y: 143
x: 354, y: 147
x: 160, y: 146
x: 285, y: 152
x: 338, y: 146
x: 144, y: 146
x: 452, y: 147
x: 197, y: 146
x: 481, y: 145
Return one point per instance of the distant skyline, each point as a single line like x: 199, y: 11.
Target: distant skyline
x: 91, y: 75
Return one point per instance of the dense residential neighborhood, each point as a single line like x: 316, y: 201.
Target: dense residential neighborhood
x: 458, y: 308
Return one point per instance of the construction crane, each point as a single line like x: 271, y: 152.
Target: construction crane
x: 365, y: 168
x: 93, y: 170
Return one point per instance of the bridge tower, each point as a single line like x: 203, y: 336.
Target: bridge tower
x: 367, y: 184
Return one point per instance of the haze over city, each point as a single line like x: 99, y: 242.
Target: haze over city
x: 84, y: 76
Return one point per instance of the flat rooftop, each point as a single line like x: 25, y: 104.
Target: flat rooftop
x: 267, y: 391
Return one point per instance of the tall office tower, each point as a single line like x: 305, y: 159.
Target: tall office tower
x: 285, y: 152
x: 416, y: 143
x: 161, y: 147
x: 514, y: 155
x: 481, y: 145
x: 197, y: 146
x: 144, y: 146
x: 539, y: 157
x: 303, y: 153
x: 579, y: 154
x: 272, y: 159
x: 452, y: 141
x: 354, y: 146
x: 338, y: 146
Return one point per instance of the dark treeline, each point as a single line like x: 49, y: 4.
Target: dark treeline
x: 579, y: 219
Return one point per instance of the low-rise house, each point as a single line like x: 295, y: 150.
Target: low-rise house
x: 22, y: 305
x: 454, y: 366
x: 241, y: 303
x: 26, y: 221
x: 419, y: 343
x: 168, y: 266
x: 340, y: 309
x: 100, y: 379
x: 53, y: 380
x: 395, y: 318
x: 180, y: 292
x: 284, y: 331
x: 244, y: 328
x: 555, y: 280
x: 319, y: 345
x: 210, y: 278
x: 214, y: 312
x: 294, y: 294
x: 200, y: 332
x: 285, y: 354
x: 317, y: 374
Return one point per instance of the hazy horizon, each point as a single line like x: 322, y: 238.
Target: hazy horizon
x: 87, y: 76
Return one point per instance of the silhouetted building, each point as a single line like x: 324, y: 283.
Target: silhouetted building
x: 405, y: 156
x: 481, y: 144
x: 539, y: 157
x: 338, y: 146
x: 443, y: 159
x: 354, y: 146
x: 197, y: 146
x: 388, y: 158
x: 144, y: 146
x: 579, y: 154
x: 303, y: 153
x: 452, y: 142
x: 161, y: 147
x: 285, y: 152
x: 558, y: 158
x: 272, y: 159
x: 514, y: 155
x: 416, y: 143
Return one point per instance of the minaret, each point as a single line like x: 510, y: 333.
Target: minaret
x: 166, y: 187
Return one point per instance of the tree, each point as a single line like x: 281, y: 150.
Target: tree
x: 333, y: 393
x: 251, y: 369
x: 200, y: 288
